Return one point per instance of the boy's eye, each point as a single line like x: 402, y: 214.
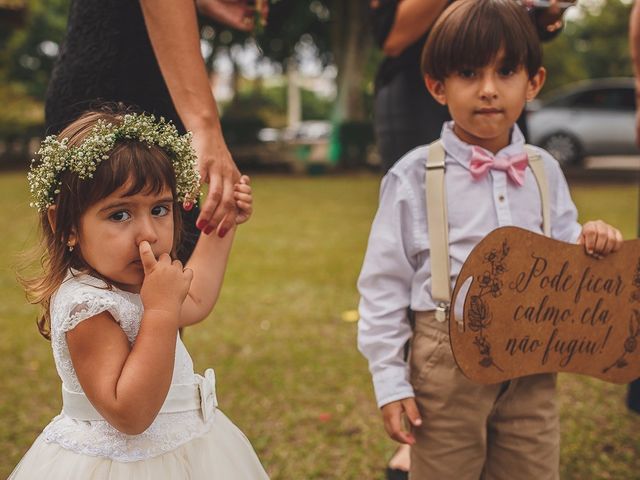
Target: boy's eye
x: 466, y: 73
x: 120, y: 216
x: 160, y: 210
x: 506, y: 71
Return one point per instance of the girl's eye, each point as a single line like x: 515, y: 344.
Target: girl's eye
x: 120, y: 216
x: 466, y: 73
x: 160, y: 210
x: 507, y: 71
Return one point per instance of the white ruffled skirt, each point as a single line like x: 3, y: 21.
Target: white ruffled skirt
x: 222, y: 453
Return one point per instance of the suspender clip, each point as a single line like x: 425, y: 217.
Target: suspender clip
x: 442, y: 312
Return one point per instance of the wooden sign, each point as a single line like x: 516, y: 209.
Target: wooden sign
x: 536, y: 305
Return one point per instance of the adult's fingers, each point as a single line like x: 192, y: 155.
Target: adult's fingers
x: 225, y: 214
x: 210, y: 204
x: 147, y: 257
x: 218, y: 210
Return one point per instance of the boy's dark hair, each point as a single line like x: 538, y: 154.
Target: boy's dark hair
x: 470, y: 34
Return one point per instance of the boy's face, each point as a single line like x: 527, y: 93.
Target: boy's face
x: 486, y: 102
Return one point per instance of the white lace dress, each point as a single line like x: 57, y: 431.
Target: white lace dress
x: 185, y: 445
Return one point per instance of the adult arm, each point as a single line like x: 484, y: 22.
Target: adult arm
x: 173, y: 30
x: 413, y: 18
x: 634, y: 48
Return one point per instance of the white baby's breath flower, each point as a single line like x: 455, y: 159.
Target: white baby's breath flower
x: 55, y: 156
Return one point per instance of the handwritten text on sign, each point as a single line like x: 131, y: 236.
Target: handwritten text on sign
x: 538, y: 305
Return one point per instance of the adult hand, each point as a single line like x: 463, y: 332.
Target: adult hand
x: 550, y: 18
x: 218, y: 170
x: 238, y: 15
x: 392, y: 414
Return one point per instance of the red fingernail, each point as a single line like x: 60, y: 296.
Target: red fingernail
x: 222, y: 232
x: 201, y: 224
x: 207, y: 230
x: 188, y: 206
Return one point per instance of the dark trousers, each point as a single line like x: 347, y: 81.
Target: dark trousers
x: 406, y: 116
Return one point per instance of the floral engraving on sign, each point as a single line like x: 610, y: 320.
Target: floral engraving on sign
x: 479, y: 315
x: 635, y: 294
x: 630, y: 344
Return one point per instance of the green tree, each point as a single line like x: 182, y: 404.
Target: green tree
x: 595, y: 45
x: 26, y: 60
x: 29, y: 52
x: 602, y: 40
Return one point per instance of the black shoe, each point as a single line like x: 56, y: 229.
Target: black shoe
x: 395, y: 474
x: 633, y: 396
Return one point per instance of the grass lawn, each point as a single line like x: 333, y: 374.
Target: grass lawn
x: 288, y: 370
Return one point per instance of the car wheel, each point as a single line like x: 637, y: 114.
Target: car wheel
x: 563, y: 147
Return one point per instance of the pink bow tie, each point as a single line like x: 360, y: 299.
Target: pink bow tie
x: 482, y: 161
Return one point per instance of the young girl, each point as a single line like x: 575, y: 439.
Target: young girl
x: 108, y: 191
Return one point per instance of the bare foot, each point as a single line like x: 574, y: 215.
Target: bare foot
x: 401, y: 459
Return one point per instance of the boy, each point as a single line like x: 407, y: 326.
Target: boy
x: 482, y: 60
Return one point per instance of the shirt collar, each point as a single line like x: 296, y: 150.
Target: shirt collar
x: 461, y: 151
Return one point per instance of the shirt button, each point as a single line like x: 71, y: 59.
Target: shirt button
x: 501, y: 198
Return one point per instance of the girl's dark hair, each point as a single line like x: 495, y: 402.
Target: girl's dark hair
x: 471, y: 33
x: 144, y: 168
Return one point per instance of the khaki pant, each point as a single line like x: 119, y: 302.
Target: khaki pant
x: 506, y: 431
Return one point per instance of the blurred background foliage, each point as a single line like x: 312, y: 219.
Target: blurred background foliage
x: 594, y: 44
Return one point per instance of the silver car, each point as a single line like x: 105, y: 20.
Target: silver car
x: 594, y: 117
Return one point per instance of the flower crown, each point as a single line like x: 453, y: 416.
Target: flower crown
x: 56, y: 156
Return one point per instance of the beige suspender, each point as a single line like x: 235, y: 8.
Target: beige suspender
x: 438, y: 230
x: 537, y: 167
x: 438, y: 227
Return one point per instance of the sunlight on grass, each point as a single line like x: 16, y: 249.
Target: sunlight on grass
x: 288, y: 370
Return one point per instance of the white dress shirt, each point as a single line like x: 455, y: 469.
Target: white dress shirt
x: 396, y: 273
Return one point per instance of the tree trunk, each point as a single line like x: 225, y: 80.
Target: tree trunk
x: 351, y: 43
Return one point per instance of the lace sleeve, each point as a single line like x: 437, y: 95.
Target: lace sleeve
x: 87, y: 305
x: 78, y: 298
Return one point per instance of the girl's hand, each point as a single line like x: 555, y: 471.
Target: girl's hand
x: 165, y: 284
x: 599, y: 238
x: 244, y: 200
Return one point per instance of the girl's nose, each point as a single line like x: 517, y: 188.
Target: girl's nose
x: 146, y: 231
